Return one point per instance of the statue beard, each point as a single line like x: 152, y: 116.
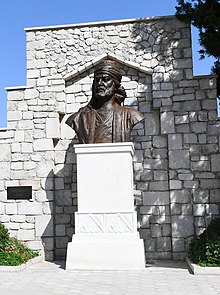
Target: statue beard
x: 102, y: 95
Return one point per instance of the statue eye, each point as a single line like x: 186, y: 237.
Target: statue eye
x: 106, y: 79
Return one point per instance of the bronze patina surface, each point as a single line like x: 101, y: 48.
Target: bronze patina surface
x: 105, y: 119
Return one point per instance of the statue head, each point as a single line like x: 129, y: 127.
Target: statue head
x: 106, y: 84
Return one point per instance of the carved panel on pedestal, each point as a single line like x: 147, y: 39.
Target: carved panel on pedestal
x: 124, y: 222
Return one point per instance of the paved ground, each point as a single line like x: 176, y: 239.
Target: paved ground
x: 159, y: 278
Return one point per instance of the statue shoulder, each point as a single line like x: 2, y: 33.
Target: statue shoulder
x: 135, y: 115
x: 75, y: 116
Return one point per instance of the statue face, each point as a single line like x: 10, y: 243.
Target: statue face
x: 104, y: 87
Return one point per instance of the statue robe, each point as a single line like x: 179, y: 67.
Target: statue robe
x: 104, y: 125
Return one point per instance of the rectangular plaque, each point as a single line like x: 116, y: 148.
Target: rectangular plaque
x: 19, y: 192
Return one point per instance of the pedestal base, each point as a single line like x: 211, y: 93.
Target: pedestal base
x: 106, y: 234
x: 106, y: 252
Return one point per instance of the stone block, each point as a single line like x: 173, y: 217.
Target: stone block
x: 209, y: 183
x: 167, y: 123
x: 48, y: 243
x: 30, y: 94
x: 5, y: 154
x: 215, y: 162
x: 2, y: 185
x: 2, y: 208
x: 180, y: 196
x: 13, y: 226
x: 176, y: 209
x: 59, y: 183
x: 155, y: 164
x: 14, y: 115
x: 62, y: 218
x: 158, y: 186
x: 175, y: 141
x: 160, y: 141
x: 26, y: 147
x: 42, y: 81
x: 198, y: 127
x: 43, y: 144
x: 201, y: 165
x: 152, y: 126
x: 156, y: 230
x: 35, y: 245
x: 47, y: 208
x: 35, y: 184
x: 15, y: 95
x: 16, y: 165
x: 166, y: 230
x: 160, y: 175
x: 212, y: 209
x: 199, y: 222
x: 199, y: 209
x: 182, y: 226
x: 179, y: 159
x: 18, y: 218
x: 29, y: 208
x: 156, y: 198
x: 11, y: 208
x: 183, y: 119
x: 4, y: 170
x: 61, y: 242
x: 201, y: 196
x: 145, y: 233
x: 138, y: 156
x: 25, y: 234
x: 5, y: 219
x: 163, y: 244
x: 45, y: 168
x: 178, y: 245
x: 52, y: 128
x: 26, y: 124
x: 175, y: 184
x: 44, y: 226
x: 210, y: 149
x: 60, y: 230
x: 159, y: 153
x: 186, y: 209
x: 190, y: 138
x: 215, y: 196
x: 150, y: 245
x: 26, y: 225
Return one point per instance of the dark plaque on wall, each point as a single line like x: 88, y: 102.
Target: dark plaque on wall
x: 19, y: 192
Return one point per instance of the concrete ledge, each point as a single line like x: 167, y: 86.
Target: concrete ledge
x: 109, y: 22
x: 200, y: 270
x: 23, y: 266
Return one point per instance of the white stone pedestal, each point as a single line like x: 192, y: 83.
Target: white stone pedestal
x: 106, y: 234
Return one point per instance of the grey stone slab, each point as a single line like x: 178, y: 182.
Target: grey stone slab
x: 182, y: 226
x: 155, y: 198
x: 179, y: 159
x: 167, y: 123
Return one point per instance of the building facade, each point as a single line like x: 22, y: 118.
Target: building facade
x: 177, y: 159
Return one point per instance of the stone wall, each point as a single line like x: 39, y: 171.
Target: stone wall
x: 177, y: 160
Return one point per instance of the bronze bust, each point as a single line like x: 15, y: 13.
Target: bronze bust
x: 105, y: 119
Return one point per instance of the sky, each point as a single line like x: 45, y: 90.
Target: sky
x: 15, y: 15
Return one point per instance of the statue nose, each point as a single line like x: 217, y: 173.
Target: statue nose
x: 99, y: 82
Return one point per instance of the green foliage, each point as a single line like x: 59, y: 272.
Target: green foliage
x: 205, y: 249
x: 12, y: 251
x: 4, y: 236
x: 213, y: 230
x: 216, y: 71
x: 204, y: 15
